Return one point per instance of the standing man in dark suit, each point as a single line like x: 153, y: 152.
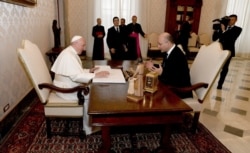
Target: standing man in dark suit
x: 227, y: 37
x: 174, y: 70
x: 134, y: 29
x: 124, y: 33
x: 123, y: 23
x: 184, y: 36
x: 115, y: 41
x: 98, y: 33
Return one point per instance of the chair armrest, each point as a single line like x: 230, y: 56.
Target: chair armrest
x: 84, y: 88
x: 190, y: 88
x: 79, y: 89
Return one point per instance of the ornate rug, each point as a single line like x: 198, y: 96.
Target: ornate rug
x: 29, y: 136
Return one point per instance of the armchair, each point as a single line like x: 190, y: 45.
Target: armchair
x: 204, y: 39
x: 153, y: 50
x: 203, y: 72
x: 54, y: 106
x: 193, y: 44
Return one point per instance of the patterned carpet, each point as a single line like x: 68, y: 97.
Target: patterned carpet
x: 29, y: 136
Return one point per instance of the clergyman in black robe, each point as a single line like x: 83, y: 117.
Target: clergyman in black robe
x: 98, y: 33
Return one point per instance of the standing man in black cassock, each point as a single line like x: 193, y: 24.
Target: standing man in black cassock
x: 98, y: 33
x: 134, y: 29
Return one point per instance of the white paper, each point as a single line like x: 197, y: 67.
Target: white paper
x: 115, y: 76
x: 102, y: 68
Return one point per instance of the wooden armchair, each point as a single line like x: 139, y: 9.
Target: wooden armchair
x: 193, y: 44
x: 54, y: 106
x: 204, y: 39
x: 153, y: 50
x: 203, y: 73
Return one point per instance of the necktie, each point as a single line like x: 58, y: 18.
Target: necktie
x: 228, y: 28
x: 166, y: 56
x: 165, y: 60
x: 117, y: 29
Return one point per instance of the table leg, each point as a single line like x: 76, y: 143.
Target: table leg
x: 106, y: 144
x: 166, y: 133
x: 51, y: 59
x: 165, y: 141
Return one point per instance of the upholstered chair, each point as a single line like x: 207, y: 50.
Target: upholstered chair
x: 193, y: 43
x: 203, y: 72
x: 153, y: 50
x: 54, y: 106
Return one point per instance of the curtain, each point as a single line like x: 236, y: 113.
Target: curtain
x: 242, y: 10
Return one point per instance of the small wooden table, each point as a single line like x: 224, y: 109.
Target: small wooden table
x: 53, y: 53
x: 109, y: 107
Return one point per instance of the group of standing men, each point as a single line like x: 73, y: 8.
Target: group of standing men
x: 122, y: 40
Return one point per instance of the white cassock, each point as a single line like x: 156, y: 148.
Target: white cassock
x: 69, y: 73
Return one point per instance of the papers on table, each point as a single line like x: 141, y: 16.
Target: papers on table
x: 115, y: 75
x: 103, y: 68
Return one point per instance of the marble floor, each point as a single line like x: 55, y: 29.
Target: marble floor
x: 226, y: 112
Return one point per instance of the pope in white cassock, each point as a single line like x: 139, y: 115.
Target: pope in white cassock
x: 69, y: 73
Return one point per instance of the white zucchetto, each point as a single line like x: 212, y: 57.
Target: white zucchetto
x: 75, y: 38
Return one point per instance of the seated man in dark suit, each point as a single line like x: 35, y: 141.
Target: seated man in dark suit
x: 174, y: 70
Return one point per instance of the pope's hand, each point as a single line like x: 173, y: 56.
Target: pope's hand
x: 102, y: 74
x: 92, y: 70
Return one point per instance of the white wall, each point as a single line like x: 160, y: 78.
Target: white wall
x: 18, y: 23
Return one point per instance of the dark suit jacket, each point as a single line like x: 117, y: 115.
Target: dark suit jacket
x: 186, y: 28
x: 176, y: 71
x: 115, y: 40
x: 228, y: 38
